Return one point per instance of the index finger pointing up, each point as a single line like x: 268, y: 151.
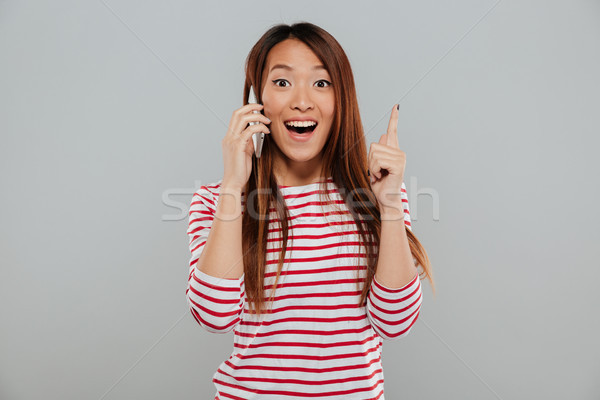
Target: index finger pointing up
x: 392, y: 130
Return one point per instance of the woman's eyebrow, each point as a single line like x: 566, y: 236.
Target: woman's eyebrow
x: 287, y: 67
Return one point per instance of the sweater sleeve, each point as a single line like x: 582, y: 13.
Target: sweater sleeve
x: 392, y: 312
x: 404, y: 197
x: 215, y: 303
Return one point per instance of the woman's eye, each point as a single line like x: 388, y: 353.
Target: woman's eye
x: 279, y: 80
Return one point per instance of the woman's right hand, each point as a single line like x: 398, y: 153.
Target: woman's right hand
x: 238, y: 147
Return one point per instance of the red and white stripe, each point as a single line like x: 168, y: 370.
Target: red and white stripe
x: 315, y: 342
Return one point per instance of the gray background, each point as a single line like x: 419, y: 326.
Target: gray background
x: 112, y: 113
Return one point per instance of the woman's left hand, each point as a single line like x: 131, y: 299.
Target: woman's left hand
x: 386, y: 165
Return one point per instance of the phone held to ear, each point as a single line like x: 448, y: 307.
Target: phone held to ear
x: 257, y: 138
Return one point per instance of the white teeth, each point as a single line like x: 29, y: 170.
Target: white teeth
x: 301, y: 123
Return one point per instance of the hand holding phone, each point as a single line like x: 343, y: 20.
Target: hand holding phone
x: 246, y: 121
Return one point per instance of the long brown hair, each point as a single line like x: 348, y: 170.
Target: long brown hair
x: 344, y: 159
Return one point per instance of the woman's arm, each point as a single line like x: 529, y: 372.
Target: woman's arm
x: 396, y: 267
x: 222, y: 255
x: 395, y: 297
x: 215, y: 290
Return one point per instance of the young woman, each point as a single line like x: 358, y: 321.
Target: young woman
x: 315, y: 224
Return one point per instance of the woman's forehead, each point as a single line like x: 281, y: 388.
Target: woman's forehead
x: 292, y: 55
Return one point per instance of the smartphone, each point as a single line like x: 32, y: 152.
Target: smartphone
x: 257, y: 138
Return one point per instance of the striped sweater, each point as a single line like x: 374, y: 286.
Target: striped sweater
x: 316, y: 342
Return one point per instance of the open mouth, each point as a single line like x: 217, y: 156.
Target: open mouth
x: 300, y: 130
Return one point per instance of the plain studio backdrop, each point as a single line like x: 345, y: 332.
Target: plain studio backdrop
x: 112, y: 115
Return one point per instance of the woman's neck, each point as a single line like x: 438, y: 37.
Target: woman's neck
x: 297, y: 173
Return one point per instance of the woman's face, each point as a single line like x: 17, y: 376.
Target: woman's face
x: 297, y: 87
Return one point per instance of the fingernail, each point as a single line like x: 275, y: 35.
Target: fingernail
x: 398, y: 106
x: 368, y: 173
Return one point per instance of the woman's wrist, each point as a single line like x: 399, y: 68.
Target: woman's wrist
x: 392, y: 213
x: 231, y: 188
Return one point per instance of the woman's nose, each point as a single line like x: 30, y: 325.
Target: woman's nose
x: 301, y: 98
